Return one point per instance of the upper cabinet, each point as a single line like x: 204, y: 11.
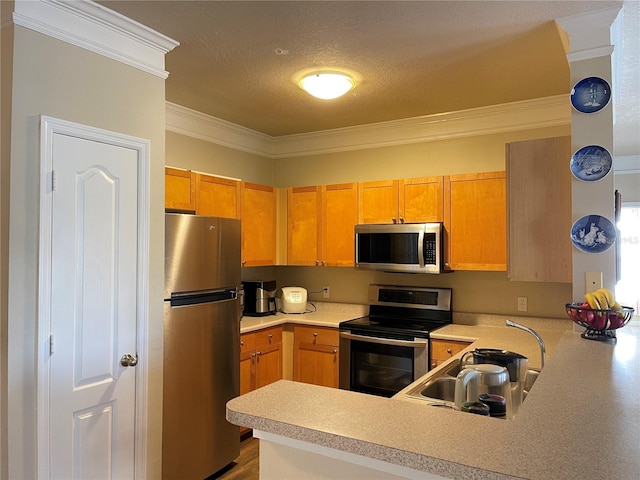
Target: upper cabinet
x: 339, y: 218
x: 258, y: 208
x: 320, y: 224
x: 217, y: 196
x: 180, y: 189
x: 409, y: 200
x: 539, y: 192
x: 303, y: 225
x: 475, y: 220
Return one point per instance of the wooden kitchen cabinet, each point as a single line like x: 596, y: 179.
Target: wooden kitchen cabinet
x: 217, y: 196
x: 443, y: 350
x: 410, y: 200
x: 316, y: 355
x: 260, y: 359
x: 303, y: 225
x: 539, y: 193
x: 320, y: 224
x: 339, y: 217
x: 179, y: 189
x: 258, y: 214
x: 475, y: 220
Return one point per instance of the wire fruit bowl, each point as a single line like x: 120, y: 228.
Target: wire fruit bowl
x: 599, y: 324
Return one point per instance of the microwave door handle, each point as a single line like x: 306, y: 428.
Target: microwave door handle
x: 385, y: 341
x: 421, y: 248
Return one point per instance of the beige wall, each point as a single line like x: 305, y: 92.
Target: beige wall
x: 199, y: 155
x: 57, y: 79
x: 6, y: 69
x: 482, y: 292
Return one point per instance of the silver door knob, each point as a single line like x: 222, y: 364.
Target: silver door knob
x: 128, y: 360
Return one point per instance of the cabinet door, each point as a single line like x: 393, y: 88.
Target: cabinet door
x: 179, y: 189
x: 378, y: 202
x: 443, y: 350
x: 339, y: 217
x: 476, y: 221
x: 268, y: 365
x: 421, y: 199
x: 217, y: 197
x: 316, y: 364
x: 258, y: 208
x: 247, y: 357
x: 303, y: 232
x: 539, y: 192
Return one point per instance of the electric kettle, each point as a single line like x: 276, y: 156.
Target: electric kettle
x: 474, y: 381
x: 515, y: 364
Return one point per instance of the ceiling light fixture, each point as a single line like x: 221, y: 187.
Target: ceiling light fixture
x: 326, y: 85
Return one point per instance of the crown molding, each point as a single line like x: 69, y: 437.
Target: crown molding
x: 91, y: 26
x: 590, y: 31
x: 524, y: 115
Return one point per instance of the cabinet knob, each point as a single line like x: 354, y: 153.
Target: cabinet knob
x: 244, y: 262
x: 393, y: 219
x: 317, y: 263
x: 315, y: 334
x: 242, y: 344
x: 401, y: 219
x: 323, y: 263
x: 434, y: 365
x: 335, y: 351
x: 449, y: 351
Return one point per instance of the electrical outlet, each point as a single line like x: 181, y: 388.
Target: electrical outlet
x: 522, y: 304
x: 325, y: 292
x: 592, y: 281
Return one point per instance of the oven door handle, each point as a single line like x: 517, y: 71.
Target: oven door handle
x: 386, y: 341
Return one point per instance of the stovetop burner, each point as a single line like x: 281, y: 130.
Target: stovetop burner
x: 406, y: 311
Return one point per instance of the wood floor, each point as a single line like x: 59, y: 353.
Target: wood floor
x: 246, y: 466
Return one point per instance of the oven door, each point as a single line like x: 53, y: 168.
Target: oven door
x: 381, y: 365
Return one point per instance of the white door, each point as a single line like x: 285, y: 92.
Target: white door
x: 93, y: 309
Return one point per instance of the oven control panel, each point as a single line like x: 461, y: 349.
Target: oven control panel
x: 412, y: 297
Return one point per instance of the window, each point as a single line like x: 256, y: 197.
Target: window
x: 628, y: 288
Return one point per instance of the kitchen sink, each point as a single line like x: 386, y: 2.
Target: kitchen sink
x: 442, y: 386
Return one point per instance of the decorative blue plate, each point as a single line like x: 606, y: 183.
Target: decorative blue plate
x: 593, y: 234
x: 591, y: 163
x: 590, y: 95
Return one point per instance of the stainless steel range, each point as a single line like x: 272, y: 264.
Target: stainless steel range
x: 384, y: 352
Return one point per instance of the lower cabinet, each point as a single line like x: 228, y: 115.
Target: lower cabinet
x: 443, y: 350
x: 315, y: 355
x: 260, y: 359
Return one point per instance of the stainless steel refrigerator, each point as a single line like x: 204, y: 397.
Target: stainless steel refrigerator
x: 201, y: 344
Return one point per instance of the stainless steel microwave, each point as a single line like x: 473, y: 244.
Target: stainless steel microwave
x: 399, y: 247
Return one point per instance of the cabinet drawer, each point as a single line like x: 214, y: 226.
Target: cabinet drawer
x: 247, y: 342
x: 445, y: 349
x: 316, y: 335
x: 268, y: 336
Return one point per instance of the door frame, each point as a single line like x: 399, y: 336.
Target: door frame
x: 49, y: 127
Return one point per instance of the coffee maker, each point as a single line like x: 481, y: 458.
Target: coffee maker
x: 259, y: 298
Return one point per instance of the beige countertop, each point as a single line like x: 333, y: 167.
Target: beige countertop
x: 326, y: 315
x: 580, y: 420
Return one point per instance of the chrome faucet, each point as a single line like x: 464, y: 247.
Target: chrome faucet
x: 537, y: 337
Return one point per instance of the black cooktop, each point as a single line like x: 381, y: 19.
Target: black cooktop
x: 391, y: 326
x: 403, y: 311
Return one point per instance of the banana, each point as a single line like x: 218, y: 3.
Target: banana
x: 616, y: 306
x: 611, y: 301
x: 592, y: 301
x: 602, y: 299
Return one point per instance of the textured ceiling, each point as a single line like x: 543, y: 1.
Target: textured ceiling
x: 236, y: 59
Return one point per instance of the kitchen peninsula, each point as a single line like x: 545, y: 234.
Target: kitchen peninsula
x: 579, y: 421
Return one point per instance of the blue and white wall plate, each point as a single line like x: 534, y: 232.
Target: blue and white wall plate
x: 591, y: 163
x: 590, y: 95
x: 593, y: 234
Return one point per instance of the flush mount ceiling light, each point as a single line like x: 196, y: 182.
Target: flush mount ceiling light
x: 325, y: 84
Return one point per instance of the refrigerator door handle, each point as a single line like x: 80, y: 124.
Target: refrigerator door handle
x: 206, y: 296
